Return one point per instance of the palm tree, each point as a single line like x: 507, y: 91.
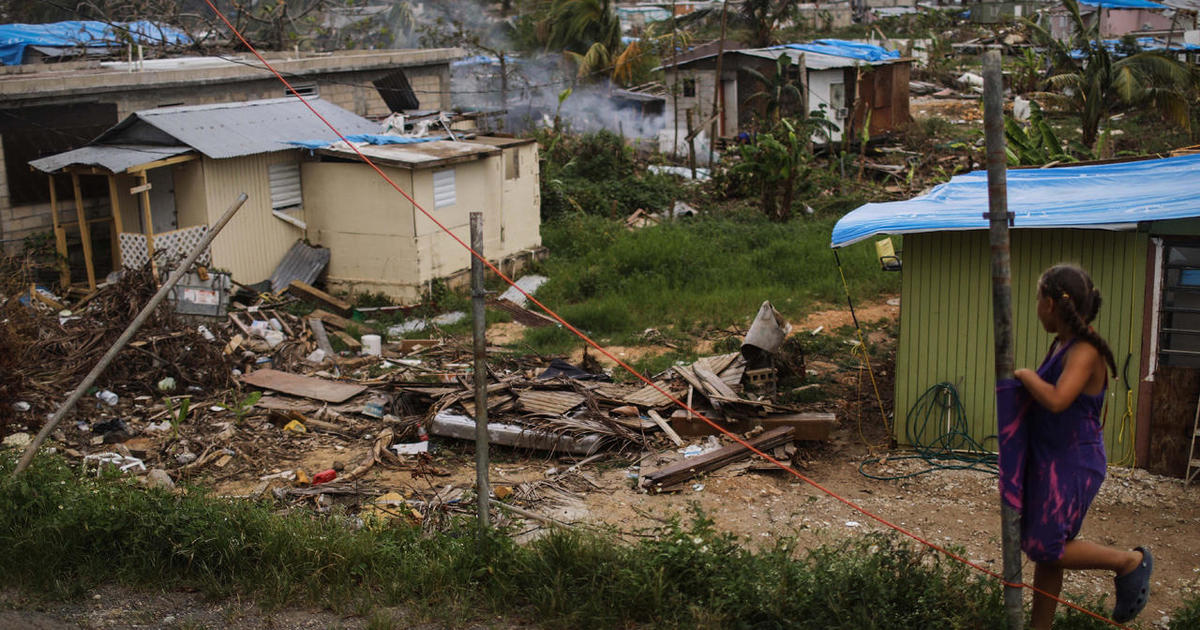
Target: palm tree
x: 778, y: 89
x: 1101, y: 83
x: 589, y: 34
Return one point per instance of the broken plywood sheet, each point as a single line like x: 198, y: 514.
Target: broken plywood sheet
x: 279, y: 403
x: 306, y: 386
x: 550, y: 402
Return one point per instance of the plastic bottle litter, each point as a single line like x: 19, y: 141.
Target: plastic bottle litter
x: 203, y: 330
x: 325, y: 476
x: 107, y: 397
x: 20, y: 405
x: 273, y: 337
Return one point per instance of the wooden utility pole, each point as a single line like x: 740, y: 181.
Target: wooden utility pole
x: 478, y: 296
x: 718, y: 85
x: 999, y: 220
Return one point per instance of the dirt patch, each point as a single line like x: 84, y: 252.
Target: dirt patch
x: 836, y: 317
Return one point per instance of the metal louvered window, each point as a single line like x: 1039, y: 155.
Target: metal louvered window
x: 285, y: 186
x: 444, y: 193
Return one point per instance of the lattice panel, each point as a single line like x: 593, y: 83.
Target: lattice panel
x: 176, y: 244
x: 133, y: 250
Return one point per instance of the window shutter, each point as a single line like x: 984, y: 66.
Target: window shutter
x: 443, y: 189
x: 285, y: 185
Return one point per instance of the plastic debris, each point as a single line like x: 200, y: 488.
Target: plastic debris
x: 295, y: 426
x: 107, y: 397
x: 413, y: 448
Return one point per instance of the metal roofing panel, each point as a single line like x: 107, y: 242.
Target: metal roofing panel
x: 226, y: 130
x: 424, y: 155
x: 115, y: 158
x: 546, y: 401
x: 302, y: 262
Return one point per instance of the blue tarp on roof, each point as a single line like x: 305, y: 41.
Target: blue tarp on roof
x: 15, y: 38
x: 1152, y: 44
x: 845, y: 48
x: 1123, y: 4
x: 1107, y: 196
x: 369, y: 138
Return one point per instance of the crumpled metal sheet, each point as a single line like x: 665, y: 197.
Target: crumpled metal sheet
x: 302, y: 262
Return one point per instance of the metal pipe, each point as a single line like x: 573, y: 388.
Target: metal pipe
x: 478, y: 295
x: 126, y: 336
x: 998, y: 223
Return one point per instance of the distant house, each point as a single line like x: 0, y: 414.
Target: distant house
x: 1116, y: 18
x: 851, y: 82
x: 50, y: 108
x: 1135, y: 226
x: 169, y: 172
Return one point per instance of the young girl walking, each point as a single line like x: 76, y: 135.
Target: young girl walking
x: 1065, y: 460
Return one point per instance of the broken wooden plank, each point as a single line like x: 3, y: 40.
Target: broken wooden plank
x: 309, y: 293
x: 685, y: 469
x: 351, y: 343
x: 712, y: 382
x: 318, y: 329
x: 306, y: 386
x: 666, y: 428
x: 339, y: 322
x: 815, y: 426
x: 278, y: 403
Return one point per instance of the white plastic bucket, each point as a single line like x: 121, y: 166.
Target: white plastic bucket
x: 372, y: 345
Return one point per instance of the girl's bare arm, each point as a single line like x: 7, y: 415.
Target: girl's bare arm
x: 1081, y: 359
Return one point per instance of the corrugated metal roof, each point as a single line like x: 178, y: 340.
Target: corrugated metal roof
x: 226, y: 130
x: 115, y: 158
x: 424, y: 155
x: 302, y: 262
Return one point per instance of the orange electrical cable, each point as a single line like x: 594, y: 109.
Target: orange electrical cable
x: 629, y: 368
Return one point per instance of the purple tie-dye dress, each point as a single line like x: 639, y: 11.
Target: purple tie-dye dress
x: 1051, y: 464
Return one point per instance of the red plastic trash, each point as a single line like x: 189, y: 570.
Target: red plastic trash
x: 325, y: 476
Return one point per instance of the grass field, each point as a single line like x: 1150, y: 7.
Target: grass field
x: 64, y: 532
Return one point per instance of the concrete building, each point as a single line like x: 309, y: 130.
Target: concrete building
x: 170, y: 172
x: 50, y: 108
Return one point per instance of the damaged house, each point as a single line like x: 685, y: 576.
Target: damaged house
x: 854, y: 84
x: 48, y: 108
x: 169, y: 172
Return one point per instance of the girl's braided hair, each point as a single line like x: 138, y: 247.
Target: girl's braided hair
x: 1076, y: 302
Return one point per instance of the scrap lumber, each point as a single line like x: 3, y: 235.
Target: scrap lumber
x: 685, y: 469
x: 713, y: 383
x: 815, y: 426
x: 520, y: 314
x: 339, y: 322
x: 666, y: 428
x: 309, y: 293
x: 351, y: 343
x: 306, y: 386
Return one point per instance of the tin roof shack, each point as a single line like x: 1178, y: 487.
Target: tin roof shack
x: 380, y: 242
x: 50, y: 108
x: 1135, y: 227
x: 844, y: 79
x: 169, y: 171
x: 1116, y: 18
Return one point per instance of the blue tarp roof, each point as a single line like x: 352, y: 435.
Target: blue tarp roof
x: 1107, y: 196
x: 369, y: 138
x: 1123, y: 4
x: 1145, y: 43
x: 15, y: 38
x: 846, y: 48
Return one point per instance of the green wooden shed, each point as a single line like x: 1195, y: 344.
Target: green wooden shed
x: 1132, y: 225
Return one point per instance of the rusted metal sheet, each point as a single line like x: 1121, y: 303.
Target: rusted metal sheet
x: 302, y: 262
x: 548, y: 401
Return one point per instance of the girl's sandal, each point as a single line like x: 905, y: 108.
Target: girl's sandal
x: 1133, y: 589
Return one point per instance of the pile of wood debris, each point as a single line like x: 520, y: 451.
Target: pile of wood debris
x: 245, y: 397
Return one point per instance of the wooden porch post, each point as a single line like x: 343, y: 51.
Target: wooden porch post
x: 114, y: 200
x: 85, y: 232
x: 148, y: 219
x: 60, y: 240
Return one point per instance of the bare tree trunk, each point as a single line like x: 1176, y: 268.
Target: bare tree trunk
x: 717, y: 107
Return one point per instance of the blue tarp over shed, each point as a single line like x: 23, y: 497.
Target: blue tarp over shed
x: 1107, y: 196
x: 845, y: 48
x: 15, y: 38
